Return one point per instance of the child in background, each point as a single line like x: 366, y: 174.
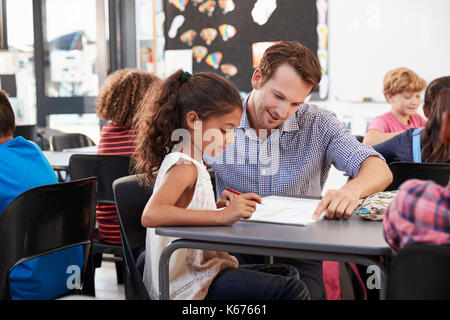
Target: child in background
x: 23, y: 166
x: 402, y: 88
x: 188, y: 106
x: 118, y: 101
x: 421, y: 145
x: 421, y: 210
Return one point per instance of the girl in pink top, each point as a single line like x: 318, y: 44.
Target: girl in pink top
x: 402, y: 89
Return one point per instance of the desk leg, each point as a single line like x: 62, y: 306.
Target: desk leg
x: 164, y: 271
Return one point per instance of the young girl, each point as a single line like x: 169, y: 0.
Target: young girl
x: 183, y: 194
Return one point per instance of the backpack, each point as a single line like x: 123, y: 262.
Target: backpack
x: 416, y: 148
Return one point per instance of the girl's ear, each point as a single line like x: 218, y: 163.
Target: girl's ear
x: 192, y: 119
x: 256, y: 78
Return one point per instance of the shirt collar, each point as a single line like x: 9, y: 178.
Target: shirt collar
x: 290, y: 124
x: 244, y: 124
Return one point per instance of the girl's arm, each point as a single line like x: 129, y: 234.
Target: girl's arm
x: 164, y: 209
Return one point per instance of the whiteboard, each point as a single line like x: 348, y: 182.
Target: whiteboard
x: 371, y: 37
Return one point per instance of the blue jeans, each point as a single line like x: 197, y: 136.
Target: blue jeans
x: 258, y: 282
x: 310, y: 271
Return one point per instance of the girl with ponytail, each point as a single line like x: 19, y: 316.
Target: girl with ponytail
x: 194, y: 108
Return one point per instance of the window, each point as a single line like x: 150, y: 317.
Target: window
x: 70, y: 48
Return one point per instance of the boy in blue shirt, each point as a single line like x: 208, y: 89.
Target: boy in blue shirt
x: 23, y: 166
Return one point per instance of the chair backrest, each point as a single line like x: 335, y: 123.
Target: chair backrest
x: 131, y: 199
x: 69, y: 141
x: 420, y: 271
x: 402, y: 171
x: 359, y: 138
x: 43, y: 219
x: 106, y: 168
x: 29, y: 132
x: 44, y: 135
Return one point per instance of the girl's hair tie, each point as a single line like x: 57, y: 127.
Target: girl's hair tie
x: 185, y: 77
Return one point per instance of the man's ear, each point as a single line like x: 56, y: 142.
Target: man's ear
x: 191, y: 119
x: 256, y: 79
x: 445, y: 128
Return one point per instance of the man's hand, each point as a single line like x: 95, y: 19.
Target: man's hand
x: 338, y: 203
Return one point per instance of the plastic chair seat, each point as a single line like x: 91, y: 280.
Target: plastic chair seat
x: 131, y: 199
x: 46, y: 219
x: 106, y: 168
x: 420, y: 271
x: 70, y: 141
x: 402, y: 171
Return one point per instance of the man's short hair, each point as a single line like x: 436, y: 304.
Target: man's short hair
x: 7, y: 118
x: 402, y: 79
x: 298, y: 56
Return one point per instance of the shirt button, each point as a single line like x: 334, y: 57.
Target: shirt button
x: 263, y: 171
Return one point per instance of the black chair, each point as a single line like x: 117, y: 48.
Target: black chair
x: 359, y: 138
x: 43, y: 137
x: 420, y: 271
x: 131, y: 199
x: 106, y: 168
x: 29, y: 132
x: 46, y: 219
x: 69, y: 141
x: 402, y: 171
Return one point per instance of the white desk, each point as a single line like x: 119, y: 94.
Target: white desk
x: 87, y: 150
x: 59, y: 160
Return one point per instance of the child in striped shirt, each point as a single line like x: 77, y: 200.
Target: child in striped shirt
x: 118, y: 102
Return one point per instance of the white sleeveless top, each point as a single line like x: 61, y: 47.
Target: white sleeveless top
x: 191, y: 271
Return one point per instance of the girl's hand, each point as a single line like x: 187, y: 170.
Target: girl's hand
x: 225, y: 198
x: 240, y: 206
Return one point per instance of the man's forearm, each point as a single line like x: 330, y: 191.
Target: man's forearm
x: 374, y: 175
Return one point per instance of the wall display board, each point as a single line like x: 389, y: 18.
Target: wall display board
x: 229, y: 36
x: 376, y: 36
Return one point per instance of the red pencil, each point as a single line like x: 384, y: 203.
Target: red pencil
x: 238, y: 193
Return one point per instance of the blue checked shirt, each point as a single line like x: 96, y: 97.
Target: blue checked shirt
x: 294, y: 160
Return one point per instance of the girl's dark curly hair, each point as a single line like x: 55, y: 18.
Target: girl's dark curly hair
x: 208, y: 94
x: 433, y: 149
x: 121, y: 95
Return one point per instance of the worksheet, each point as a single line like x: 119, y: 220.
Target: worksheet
x: 285, y: 210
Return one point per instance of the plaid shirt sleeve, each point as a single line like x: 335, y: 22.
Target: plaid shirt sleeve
x: 419, y: 213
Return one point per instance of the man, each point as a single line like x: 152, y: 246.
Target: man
x: 23, y: 166
x: 286, y: 147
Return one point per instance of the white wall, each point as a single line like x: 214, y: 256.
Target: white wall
x: 427, y: 60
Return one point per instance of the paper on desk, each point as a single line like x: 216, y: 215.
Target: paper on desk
x: 285, y: 210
